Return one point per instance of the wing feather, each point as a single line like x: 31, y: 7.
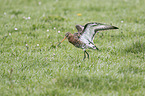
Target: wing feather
x: 90, y: 30
x: 79, y: 28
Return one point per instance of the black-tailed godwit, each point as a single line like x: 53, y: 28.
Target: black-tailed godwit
x: 84, y: 37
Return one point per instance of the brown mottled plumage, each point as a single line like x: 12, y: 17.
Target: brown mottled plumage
x: 74, y: 39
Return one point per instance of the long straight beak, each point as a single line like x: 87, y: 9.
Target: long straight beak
x: 61, y: 41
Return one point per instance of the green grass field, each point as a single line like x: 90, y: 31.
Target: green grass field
x: 32, y: 65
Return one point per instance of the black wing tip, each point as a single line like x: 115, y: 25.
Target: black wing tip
x: 77, y: 25
x: 115, y: 27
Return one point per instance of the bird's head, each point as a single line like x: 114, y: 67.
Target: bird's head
x: 67, y: 35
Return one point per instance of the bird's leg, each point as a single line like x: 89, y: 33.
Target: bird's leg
x: 84, y: 55
x: 87, y: 54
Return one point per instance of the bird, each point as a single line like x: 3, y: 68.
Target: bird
x: 84, y: 37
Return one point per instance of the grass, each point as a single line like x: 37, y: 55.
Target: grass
x: 31, y: 64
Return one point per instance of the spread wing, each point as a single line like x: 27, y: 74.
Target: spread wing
x: 79, y: 28
x: 90, y: 30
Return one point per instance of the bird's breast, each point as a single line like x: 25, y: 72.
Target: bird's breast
x: 75, y: 41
